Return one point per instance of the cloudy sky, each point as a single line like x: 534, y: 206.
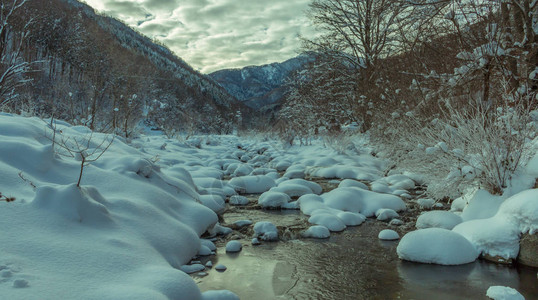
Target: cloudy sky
x: 217, y: 34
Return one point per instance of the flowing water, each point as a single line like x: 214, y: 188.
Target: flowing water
x: 353, y: 264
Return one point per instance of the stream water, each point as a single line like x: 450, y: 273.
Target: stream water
x: 353, y: 264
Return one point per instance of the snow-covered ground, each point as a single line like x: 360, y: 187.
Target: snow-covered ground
x: 133, y: 228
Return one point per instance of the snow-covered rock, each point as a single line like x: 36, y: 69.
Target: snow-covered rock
x: 238, y: 200
x: 388, y: 235
x: 438, y: 219
x: 436, y: 246
x: 266, y: 231
x: 328, y: 220
x: 317, y: 231
x: 386, y: 214
x: 493, y: 236
x: 252, y: 184
x: 233, y: 246
x: 503, y: 293
x: 272, y: 199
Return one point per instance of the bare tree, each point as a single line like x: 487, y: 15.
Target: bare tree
x: 12, y: 66
x: 360, y: 32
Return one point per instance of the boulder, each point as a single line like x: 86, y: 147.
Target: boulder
x: 528, y: 250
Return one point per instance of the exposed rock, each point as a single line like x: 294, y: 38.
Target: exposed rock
x: 528, y: 250
x: 497, y: 259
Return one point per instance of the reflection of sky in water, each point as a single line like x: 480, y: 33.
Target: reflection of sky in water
x: 465, y: 281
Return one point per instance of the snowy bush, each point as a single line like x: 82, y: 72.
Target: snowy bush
x: 475, y: 147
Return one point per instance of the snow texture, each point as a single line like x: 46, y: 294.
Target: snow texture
x: 436, y: 246
x: 388, y: 235
x: 438, y: 219
x: 317, y: 232
x: 503, y: 293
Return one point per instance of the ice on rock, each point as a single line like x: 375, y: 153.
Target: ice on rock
x: 386, y: 214
x: 317, y: 232
x: 219, y: 295
x: 252, y: 184
x: 388, y: 235
x: 238, y: 200
x: 503, y: 293
x: 273, y: 199
x: 233, y: 246
x: 330, y: 221
x: 352, y: 183
x: 436, y: 246
x: 438, y: 219
x: 266, y: 231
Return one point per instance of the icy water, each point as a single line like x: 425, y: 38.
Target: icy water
x: 353, y: 264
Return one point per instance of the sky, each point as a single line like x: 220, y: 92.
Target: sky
x: 218, y: 34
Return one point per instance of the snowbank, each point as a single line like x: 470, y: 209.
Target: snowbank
x: 141, y: 221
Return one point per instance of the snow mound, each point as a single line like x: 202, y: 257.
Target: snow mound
x: 328, y: 220
x: 352, y: 183
x: 344, y: 172
x: 503, y: 293
x: 494, y: 236
x: 425, y: 203
x: 438, y: 219
x: 292, y: 190
x: 386, y: 214
x: 482, y: 205
x: 266, y: 231
x: 273, y: 199
x: 317, y: 232
x: 238, y: 200
x: 83, y: 205
x: 351, y: 218
x: 522, y: 210
x: 436, y: 246
x: 252, y: 184
x: 233, y: 246
x: 388, y: 235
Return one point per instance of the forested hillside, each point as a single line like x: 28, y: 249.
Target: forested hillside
x: 61, y: 59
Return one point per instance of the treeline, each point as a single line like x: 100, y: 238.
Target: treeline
x: 94, y: 70
x: 444, y: 88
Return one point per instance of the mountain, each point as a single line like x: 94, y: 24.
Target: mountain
x: 260, y: 86
x: 94, y: 70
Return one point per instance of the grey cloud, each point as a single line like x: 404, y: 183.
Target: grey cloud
x: 216, y: 34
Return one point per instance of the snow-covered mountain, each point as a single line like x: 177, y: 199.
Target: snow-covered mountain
x: 111, y: 72
x: 260, y: 86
